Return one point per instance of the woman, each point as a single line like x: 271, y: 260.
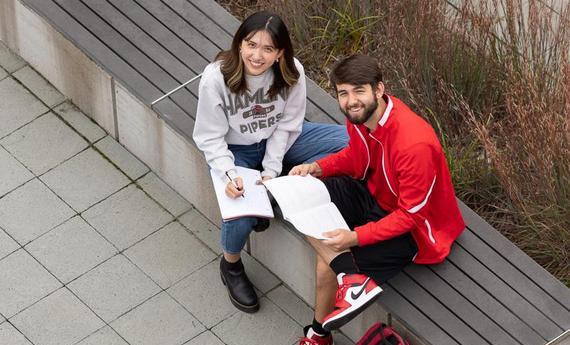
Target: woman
x: 251, y: 110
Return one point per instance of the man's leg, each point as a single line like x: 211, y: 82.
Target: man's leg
x: 325, y: 289
x: 355, y: 291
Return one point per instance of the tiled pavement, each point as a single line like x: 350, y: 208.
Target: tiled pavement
x: 95, y: 249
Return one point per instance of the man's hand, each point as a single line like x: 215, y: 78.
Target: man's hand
x: 341, y: 239
x: 263, y: 179
x: 235, y: 188
x: 305, y: 169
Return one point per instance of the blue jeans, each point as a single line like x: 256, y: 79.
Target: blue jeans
x: 316, y: 141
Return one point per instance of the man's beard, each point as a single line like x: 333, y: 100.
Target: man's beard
x: 367, y: 113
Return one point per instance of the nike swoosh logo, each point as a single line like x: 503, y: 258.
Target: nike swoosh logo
x: 355, y: 296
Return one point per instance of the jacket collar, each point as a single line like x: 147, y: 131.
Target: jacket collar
x: 387, y: 111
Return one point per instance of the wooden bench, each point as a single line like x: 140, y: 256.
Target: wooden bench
x: 487, y: 292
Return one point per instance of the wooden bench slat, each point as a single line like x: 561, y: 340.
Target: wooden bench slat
x: 182, y: 51
x: 181, y: 28
x: 129, y: 53
x: 147, y: 45
x: 202, y: 23
x: 503, y: 293
x: 413, y: 318
x: 437, y: 312
x: 516, y: 280
x: 459, y: 305
x: 324, y: 101
x: 218, y: 14
x: 516, y: 256
x: 487, y: 303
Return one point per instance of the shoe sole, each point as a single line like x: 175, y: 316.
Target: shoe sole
x: 245, y: 308
x: 340, y: 320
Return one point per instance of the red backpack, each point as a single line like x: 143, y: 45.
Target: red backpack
x: 380, y: 334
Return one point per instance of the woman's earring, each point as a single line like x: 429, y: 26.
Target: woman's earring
x: 277, y: 60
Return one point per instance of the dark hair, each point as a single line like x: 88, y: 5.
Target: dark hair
x: 285, y: 72
x: 356, y: 70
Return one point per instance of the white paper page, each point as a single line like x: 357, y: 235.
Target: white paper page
x: 255, y: 201
x: 297, y: 193
x: 313, y: 222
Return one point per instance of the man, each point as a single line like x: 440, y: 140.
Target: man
x: 393, y: 187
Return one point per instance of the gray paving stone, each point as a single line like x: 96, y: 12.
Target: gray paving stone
x: 23, y: 282
x: 204, y: 295
x: 125, y: 160
x: 3, y: 73
x: 58, y: 319
x: 32, y: 210
x: 104, y: 336
x: 127, y: 217
x: 8, y: 60
x: 39, y: 86
x: 206, y: 338
x: 113, y: 288
x: 10, y: 336
x: 44, y: 143
x: 341, y: 339
x: 85, y: 180
x: 71, y: 249
x: 292, y: 305
x: 260, y: 276
x: 18, y: 106
x: 12, y: 174
x: 81, y: 122
x: 158, y: 321
x: 165, y: 195
x: 268, y: 325
x: 169, y: 255
x: 203, y: 229
x: 7, y: 244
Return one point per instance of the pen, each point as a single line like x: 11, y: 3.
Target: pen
x: 232, y: 181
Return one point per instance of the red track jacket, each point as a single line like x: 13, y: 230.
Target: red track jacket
x: 405, y: 169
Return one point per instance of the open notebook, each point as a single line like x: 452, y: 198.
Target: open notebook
x: 254, y: 203
x: 306, y: 203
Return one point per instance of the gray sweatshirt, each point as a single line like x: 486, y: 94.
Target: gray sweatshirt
x: 224, y: 118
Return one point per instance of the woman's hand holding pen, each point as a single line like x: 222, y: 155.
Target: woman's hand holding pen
x: 234, y: 188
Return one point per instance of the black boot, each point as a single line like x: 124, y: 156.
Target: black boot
x: 262, y: 225
x: 240, y: 289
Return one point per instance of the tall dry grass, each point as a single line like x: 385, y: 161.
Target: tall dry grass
x: 493, y: 78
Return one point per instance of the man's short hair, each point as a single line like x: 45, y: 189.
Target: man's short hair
x: 356, y: 70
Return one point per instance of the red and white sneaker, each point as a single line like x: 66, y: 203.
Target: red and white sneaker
x: 355, y: 292
x: 312, y: 338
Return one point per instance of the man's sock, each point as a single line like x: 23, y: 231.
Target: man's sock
x: 318, y: 328
x: 344, y: 263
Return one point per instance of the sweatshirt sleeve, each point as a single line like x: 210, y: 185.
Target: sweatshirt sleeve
x: 416, y: 179
x: 289, y: 126
x: 212, y: 125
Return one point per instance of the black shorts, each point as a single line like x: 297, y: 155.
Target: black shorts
x: 382, y: 260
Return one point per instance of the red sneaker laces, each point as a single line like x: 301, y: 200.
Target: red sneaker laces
x: 340, y: 293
